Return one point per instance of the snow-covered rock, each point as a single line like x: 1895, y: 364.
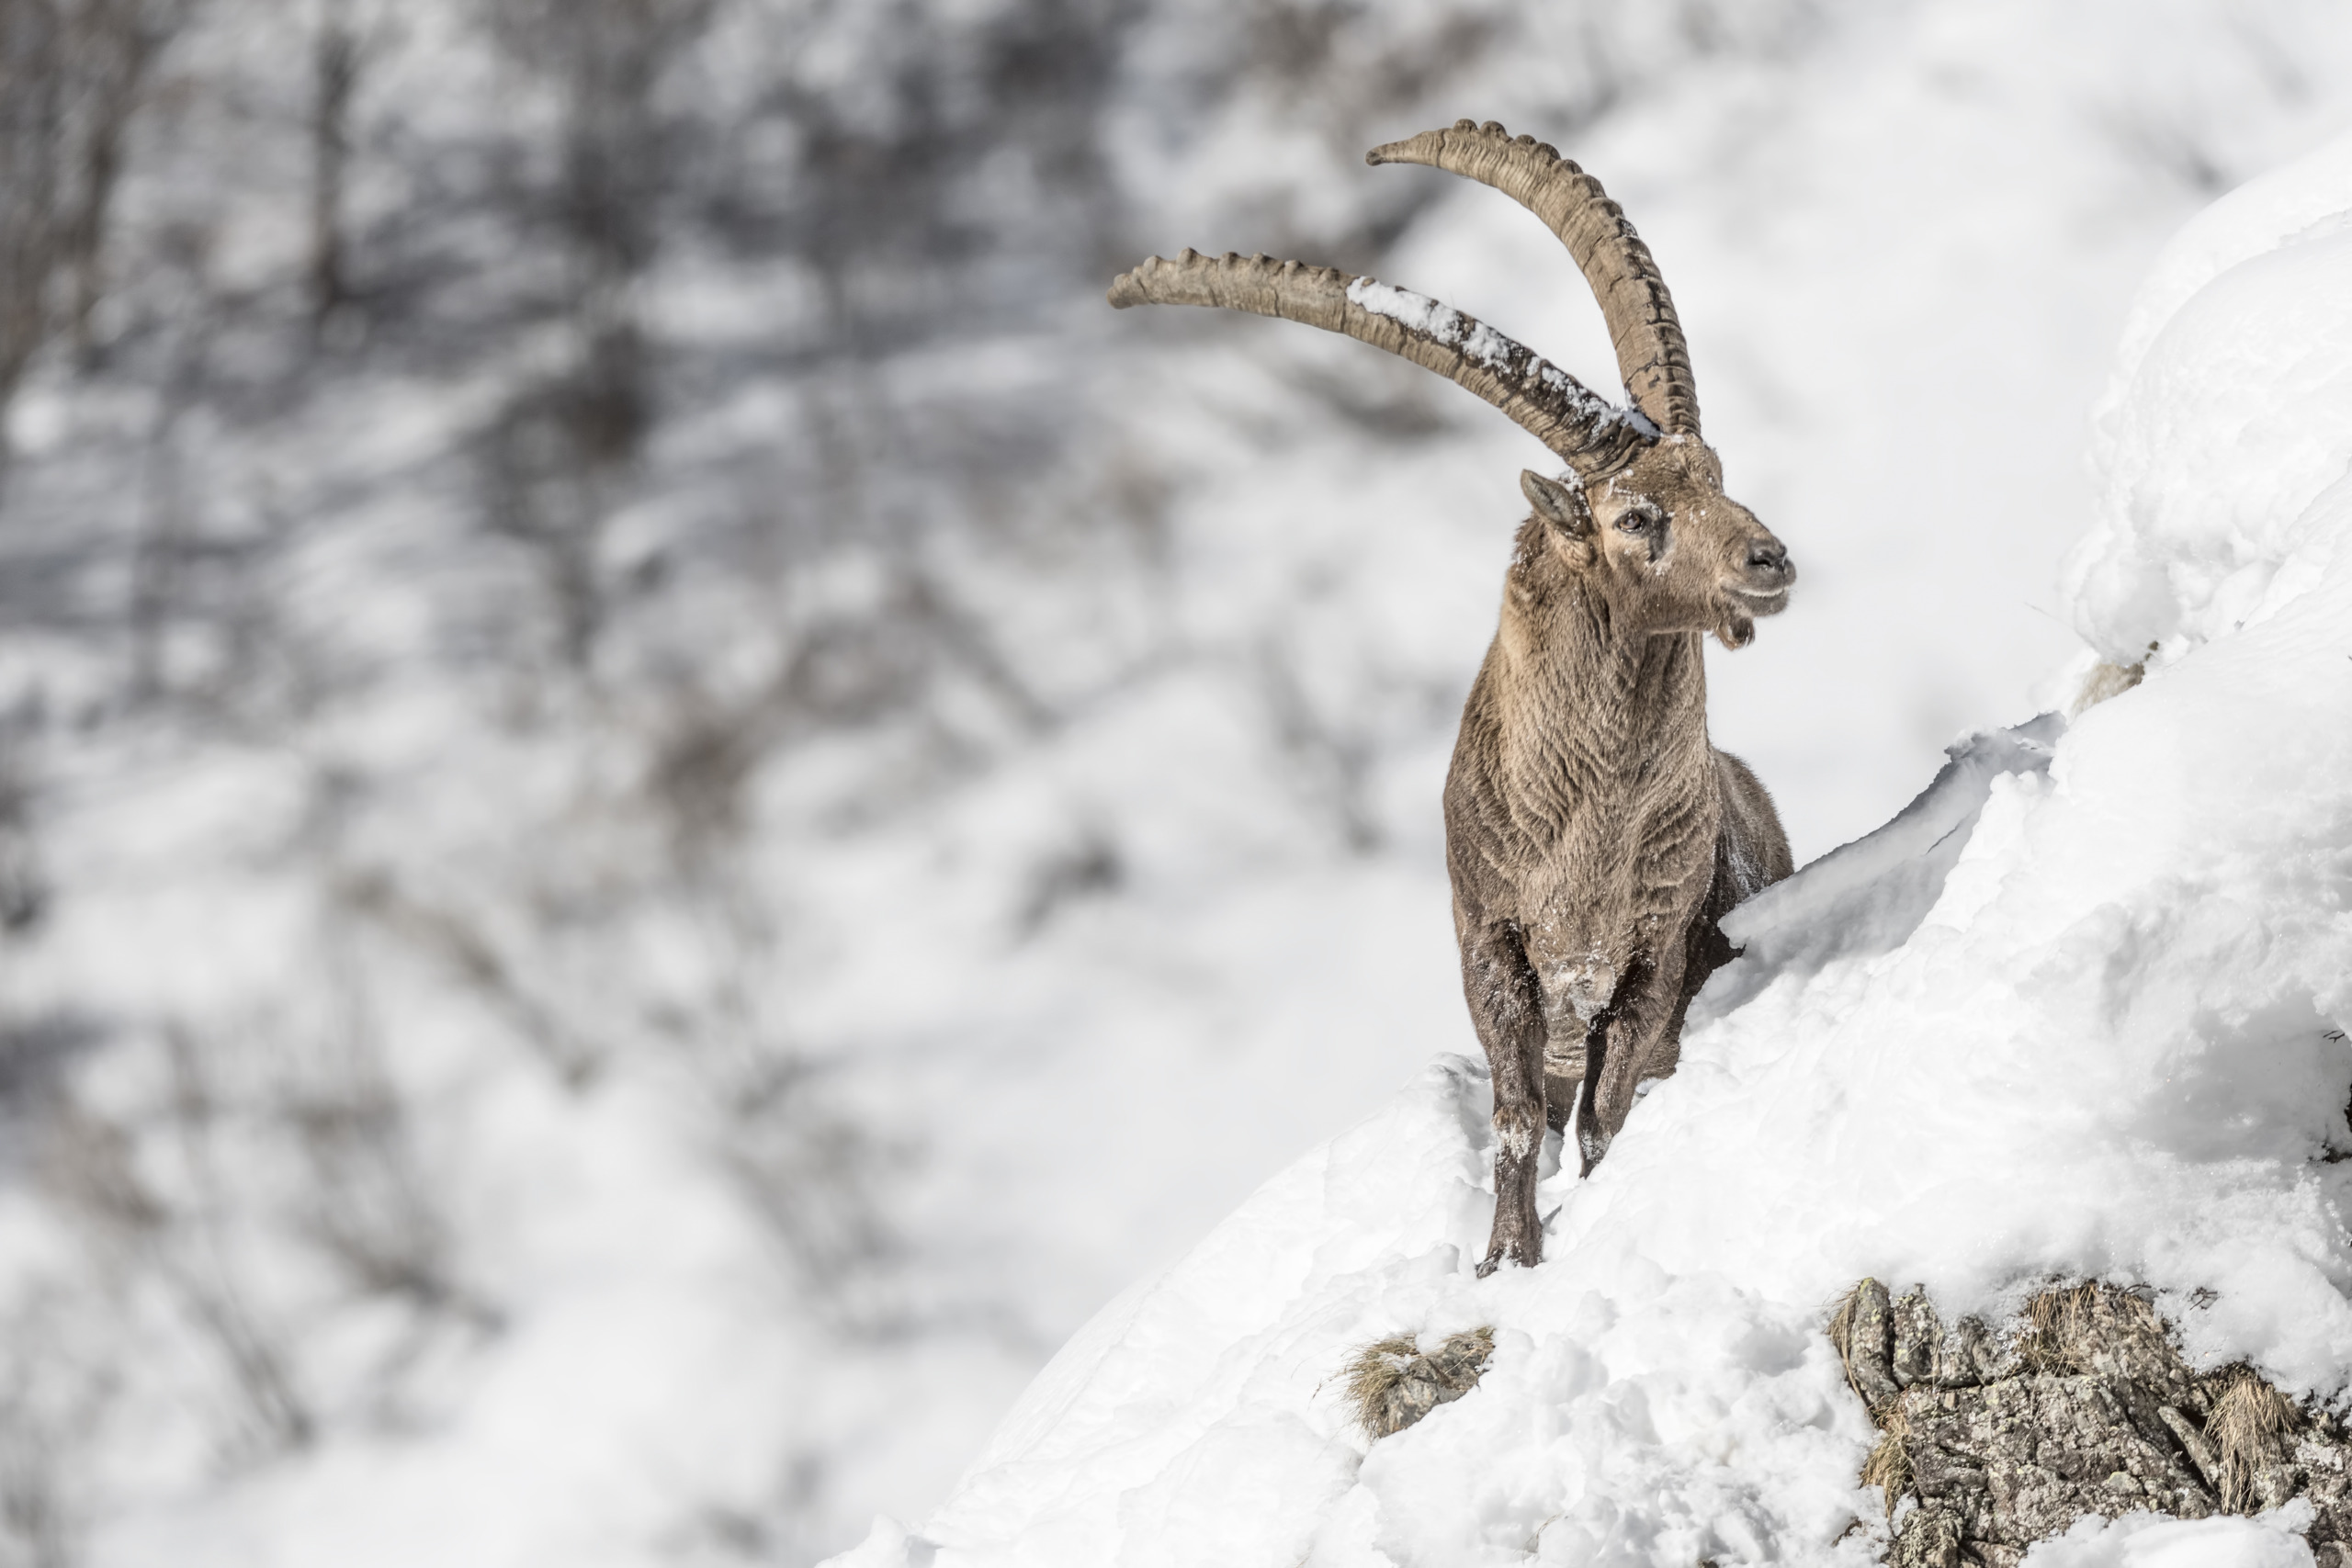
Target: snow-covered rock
x: 2076, y: 1013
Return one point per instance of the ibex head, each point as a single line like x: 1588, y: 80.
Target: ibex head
x: 1661, y: 543
x: 1641, y: 517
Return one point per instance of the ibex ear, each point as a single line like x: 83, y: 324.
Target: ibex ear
x: 1563, y: 505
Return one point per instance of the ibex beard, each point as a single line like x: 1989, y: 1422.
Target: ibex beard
x: 1594, y: 836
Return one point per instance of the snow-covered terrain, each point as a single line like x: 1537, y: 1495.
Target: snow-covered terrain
x: 664, y: 812
x: 2078, y: 1012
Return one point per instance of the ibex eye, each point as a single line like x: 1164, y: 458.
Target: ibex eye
x: 1638, y: 519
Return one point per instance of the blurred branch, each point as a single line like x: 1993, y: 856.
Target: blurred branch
x: 335, y: 61
x: 447, y: 935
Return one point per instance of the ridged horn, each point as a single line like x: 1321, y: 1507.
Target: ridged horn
x: 1651, y: 354
x: 1587, y: 432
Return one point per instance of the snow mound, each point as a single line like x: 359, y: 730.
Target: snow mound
x: 2076, y: 1012
x: 2229, y: 415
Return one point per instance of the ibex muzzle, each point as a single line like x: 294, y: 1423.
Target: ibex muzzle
x: 1593, y: 834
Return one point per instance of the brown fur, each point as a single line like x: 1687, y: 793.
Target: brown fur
x: 1593, y: 835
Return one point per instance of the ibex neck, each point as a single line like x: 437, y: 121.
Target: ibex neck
x: 1589, y: 703
x: 1577, y: 648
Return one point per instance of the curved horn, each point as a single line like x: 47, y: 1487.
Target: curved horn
x: 1590, y: 434
x: 1651, y: 354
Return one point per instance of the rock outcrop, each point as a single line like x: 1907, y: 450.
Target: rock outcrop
x: 1996, y: 1441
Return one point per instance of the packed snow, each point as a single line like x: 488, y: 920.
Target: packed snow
x: 1477, y: 341
x: 1415, y: 312
x: 2077, y: 1012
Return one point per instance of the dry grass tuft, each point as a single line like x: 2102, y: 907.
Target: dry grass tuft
x: 2056, y: 1320
x: 1392, y: 1385
x: 2064, y: 1318
x: 1889, y: 1466
x: 1841, y: 1326
x: 2249, y: 1427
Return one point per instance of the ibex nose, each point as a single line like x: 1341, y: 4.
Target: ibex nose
x: 1767, y: 555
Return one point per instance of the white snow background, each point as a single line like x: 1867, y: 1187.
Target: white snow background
x: 1050, y: 1010
x: 2076, y: 1012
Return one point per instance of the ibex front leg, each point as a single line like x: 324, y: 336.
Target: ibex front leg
x: 1508, y: 1011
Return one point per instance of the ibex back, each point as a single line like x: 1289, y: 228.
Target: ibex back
x: 1593, y: 835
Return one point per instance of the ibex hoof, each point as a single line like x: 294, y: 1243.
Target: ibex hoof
x: 1526, y: 1254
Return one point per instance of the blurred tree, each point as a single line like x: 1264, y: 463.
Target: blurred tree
x: 70, y: 74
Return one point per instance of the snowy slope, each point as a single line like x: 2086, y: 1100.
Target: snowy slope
x: 2078, y: 1012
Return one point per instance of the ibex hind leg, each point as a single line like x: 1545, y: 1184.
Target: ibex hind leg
x: 1705, y: 948
x: 1751, y: 853
x: 1507, y: 1010
x: 1624, y: 1048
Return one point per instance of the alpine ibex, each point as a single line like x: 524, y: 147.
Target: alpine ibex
x: 1593, y: 835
